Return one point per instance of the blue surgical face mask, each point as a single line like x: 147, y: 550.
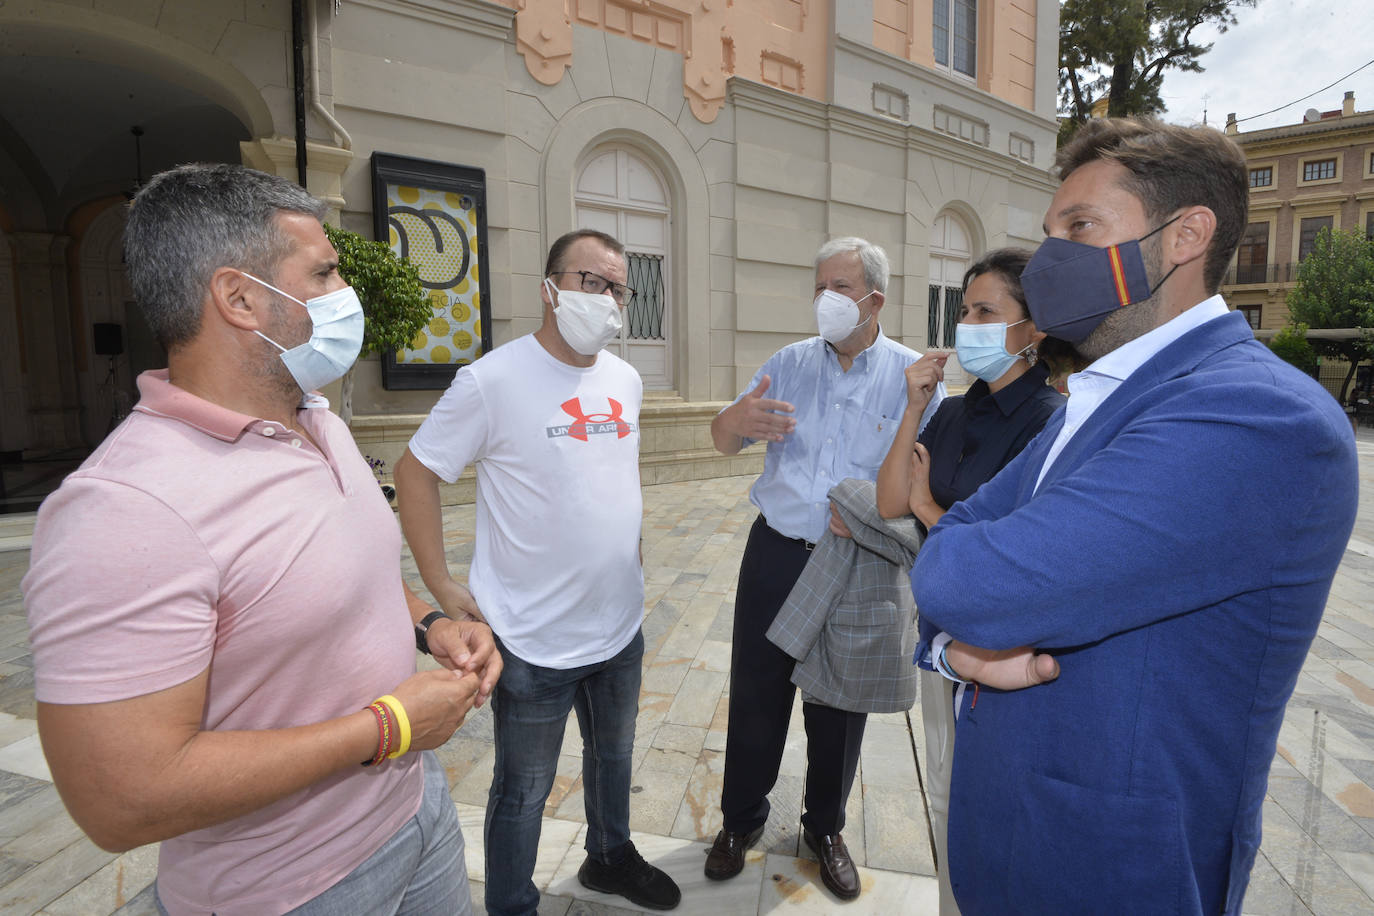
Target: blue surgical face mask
x: 1071, y: 288
x: 336, y: 337
x: 982, y: 348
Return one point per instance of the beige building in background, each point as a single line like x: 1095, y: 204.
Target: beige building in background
x: 724, y: 140
x: 1303, y: 177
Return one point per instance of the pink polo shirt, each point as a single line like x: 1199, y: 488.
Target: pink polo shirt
x: 195, y: 538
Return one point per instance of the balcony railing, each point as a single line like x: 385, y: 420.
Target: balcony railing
x: 1261, y: 273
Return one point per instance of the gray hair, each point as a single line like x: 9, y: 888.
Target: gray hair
x: 874, y: 259
x: 188, y: 222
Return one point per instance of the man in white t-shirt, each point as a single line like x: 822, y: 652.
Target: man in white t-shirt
x: 551, y: 423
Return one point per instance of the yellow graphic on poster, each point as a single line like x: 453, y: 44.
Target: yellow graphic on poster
x: 437, y: 231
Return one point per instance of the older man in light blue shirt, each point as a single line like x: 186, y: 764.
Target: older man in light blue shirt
x: 828, y: 408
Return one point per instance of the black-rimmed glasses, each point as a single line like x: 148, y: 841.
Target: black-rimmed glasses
x: 597, y: 284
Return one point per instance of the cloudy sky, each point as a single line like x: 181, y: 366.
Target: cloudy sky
x: 1279, y: 51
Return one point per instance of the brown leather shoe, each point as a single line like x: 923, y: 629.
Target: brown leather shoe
x: 837, y: 869
x: 726, y: 858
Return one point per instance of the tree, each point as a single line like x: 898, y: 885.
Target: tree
x: 1335, y: 289
x: 1121, y: 49
x: 394, y: 304
x: 1291, y: 345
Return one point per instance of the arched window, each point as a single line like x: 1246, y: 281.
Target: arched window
x: 620, y: 193
x: 950, y: 253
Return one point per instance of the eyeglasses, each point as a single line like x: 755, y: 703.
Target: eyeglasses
x: 597, y: 284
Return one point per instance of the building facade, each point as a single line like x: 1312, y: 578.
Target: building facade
x: 1303, y: 178
x: 723, y: 142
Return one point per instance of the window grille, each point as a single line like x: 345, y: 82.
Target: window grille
x: 943, y: 315
x: 644, y: 314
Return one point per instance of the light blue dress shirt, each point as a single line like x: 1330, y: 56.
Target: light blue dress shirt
x: 845, y: 425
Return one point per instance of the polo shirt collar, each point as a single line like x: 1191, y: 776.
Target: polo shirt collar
x: 159, y: 397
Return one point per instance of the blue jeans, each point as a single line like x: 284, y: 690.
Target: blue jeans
x: 418, y: 872
x: 529, y: 712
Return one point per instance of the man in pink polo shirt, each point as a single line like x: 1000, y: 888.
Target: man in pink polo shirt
x: 215, y: 596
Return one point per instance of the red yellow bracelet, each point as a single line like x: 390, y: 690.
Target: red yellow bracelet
x: 402, y: 724
x: 386, y: 734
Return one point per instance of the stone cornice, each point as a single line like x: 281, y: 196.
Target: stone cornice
x: 955, y: 87
x: 752, y: 96
x: 479, y: 16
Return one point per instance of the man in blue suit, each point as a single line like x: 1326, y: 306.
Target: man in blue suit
x: 1169, y: 538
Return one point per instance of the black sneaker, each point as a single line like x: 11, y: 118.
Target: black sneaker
x: 632, y: 878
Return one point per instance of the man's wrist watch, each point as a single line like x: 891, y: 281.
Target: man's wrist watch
x: 422, y: 630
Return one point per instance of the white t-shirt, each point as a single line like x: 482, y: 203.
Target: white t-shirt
x: 555, y: 568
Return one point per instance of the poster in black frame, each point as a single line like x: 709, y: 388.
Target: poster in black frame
x: 435, y: 214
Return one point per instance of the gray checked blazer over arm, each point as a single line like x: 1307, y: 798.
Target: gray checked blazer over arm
x: 850, y: 621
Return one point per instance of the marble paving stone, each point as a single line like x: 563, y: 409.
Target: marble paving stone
x: 696, y: 700
x: 13, y: 728
x: 1359, y: 865
x: 38, y: 807
x: 460, y: 754
x: 665, y: 675
x: 53, y: 877
x: 895, y: 833
x: 681, y: 739
x: 112, y: 887
x: 888, y: 755
x: 782, y: 833
x: 1269, y: 895
x: 683, y: 861
x: 141, y: 905
x: 12, y: 867
x: 1318, y: 816
x: 1315, y: 856
x: 653, y: 709
x: 14, y: 790
x: 566, y: 782
x: 718, y: 732
x: 714, y: 655
x: 573, y: 805
x: 657, y: 795
x: 1316, y: 879
x: 688, y: 633
x: 722, y: 628
x: 46, y: 839
x: 557, y: 839
x: 794, y: 886
x: 16, y: 695
x: 699, y: 816
x: 472, y: 788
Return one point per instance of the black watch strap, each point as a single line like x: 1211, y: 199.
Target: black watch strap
x: 422, y: 629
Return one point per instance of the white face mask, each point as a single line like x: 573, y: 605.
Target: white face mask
x: 837, y: 316
x: 335, y: 338
x: 587, y: 321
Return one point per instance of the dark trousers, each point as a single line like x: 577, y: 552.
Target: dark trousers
x: 761, y: 693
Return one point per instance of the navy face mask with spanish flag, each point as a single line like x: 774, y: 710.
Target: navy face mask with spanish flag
x: 1071, y: 288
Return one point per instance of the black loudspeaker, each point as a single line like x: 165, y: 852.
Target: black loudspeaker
x: 109, y: 338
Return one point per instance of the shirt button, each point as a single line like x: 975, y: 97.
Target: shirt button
x: 269, y: 430
x: 295, y: 443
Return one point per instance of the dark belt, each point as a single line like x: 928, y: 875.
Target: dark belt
x: 809, y: 545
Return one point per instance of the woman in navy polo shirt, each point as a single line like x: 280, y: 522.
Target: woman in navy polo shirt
x: 968, y: 440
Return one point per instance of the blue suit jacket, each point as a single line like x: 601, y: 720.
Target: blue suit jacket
x: 1176, y: 559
